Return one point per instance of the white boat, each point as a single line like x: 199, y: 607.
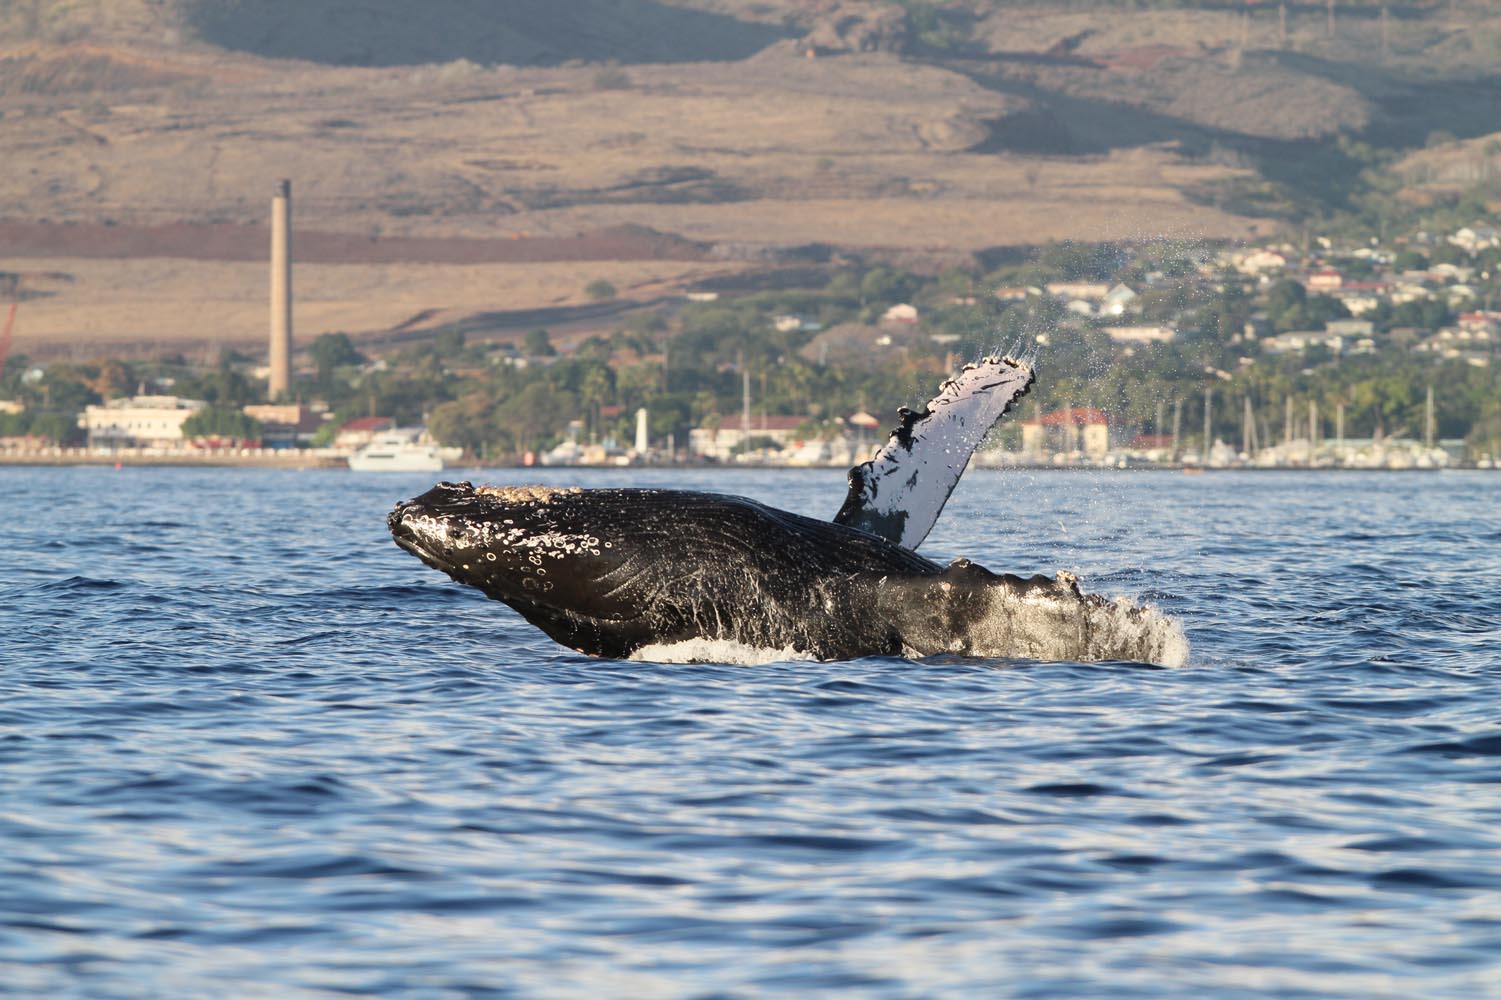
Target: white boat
x: 404, y: 450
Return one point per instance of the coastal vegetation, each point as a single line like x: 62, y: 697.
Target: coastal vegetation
x: 830, y: 350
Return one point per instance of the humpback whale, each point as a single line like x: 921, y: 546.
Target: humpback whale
x: 612, y: 572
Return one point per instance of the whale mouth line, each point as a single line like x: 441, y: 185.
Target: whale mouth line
x: 410, y: 540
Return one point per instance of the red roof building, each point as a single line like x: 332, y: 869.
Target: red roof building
x: 360, y: 432
x: 1076, y: 429
x: 1075, y: 416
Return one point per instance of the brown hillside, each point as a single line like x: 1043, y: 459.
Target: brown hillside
x: 463, y: 133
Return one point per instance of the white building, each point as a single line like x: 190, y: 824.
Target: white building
x: 1140, y: 334
x: 1452, y: 272
x: 1076, y: 429
x: 139, y: 422
x: 1087, y: 290
x: 1359, y: 303
x: 1351, y: 327
x: 1117, y: 301
x: 1261, y: 262
x: 1477, y: 238
x: 1299, y: 341
x: 720, y: 443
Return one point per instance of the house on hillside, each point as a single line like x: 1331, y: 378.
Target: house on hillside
x: 1090, y: 291
x: 1452, y: 272
x: 1353, y: 328
x: 1476, y: 238
x: 1261, y: 262
x: 902, y: 312
x: 1117, y: 301
x: 1360, y: 297
x: 1299, y: 341
x: 1459, y: 296
x: 1141, y: 334
x: 1481, y: 322
x: 1410, y: 291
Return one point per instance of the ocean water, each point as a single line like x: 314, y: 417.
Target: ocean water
x: 249, y: 748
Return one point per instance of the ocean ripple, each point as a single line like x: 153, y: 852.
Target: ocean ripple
x: 250, y: 748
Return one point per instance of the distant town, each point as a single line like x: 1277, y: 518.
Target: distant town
x: 1327, y: 352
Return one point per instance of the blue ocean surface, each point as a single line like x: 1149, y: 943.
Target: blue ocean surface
x: 249, y: 748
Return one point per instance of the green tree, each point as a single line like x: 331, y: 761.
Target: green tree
x: 887, y: 286
x: 449, y: 343
x: 59, y: 428
x: 222, y: 422
x: 599, y: 289
x: 468, y: 422
x: 67, y: 389
x: 538, y: 344
x: 333, y: 350
x: 1410, y: 260
x: 115, y: 380
x: 1484, y: 438
x: 222, y: 387
x: 537, y: 414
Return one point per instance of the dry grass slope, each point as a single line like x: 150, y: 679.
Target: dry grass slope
x: 412, y: 125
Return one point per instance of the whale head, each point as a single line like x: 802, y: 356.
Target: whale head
x: 524, y: 545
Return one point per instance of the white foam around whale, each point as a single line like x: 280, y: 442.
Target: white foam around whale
x: 1047, y: 626
x: 1031, y: 627
x: 702, y: 650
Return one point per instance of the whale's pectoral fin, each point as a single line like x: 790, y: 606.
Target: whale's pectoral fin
x: 900, y: 492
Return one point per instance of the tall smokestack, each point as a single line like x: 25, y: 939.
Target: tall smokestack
x: 281, y: 291
x: 642, y: 439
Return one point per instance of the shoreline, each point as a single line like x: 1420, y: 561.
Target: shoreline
x: 303, y: 459
x: 271, y: 460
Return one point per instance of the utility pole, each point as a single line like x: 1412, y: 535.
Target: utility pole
x: 745, y: 405
x: 1177, y: 424
x: 1247, y: 428
x: 1428, y: 422
x: 1208, y: 421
